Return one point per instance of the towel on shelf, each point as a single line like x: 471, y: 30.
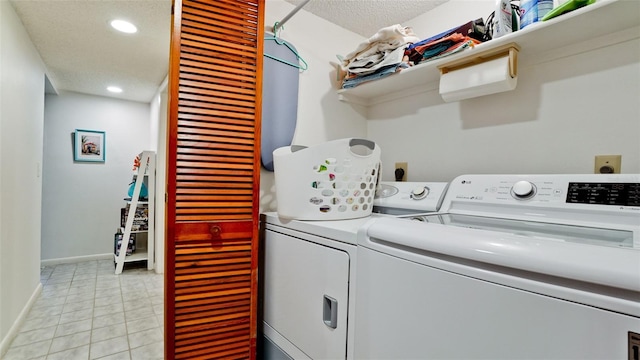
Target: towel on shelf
x: 379, y: 56
x: 388, y: 38
x: 352, y: 81
x: 371, y: 64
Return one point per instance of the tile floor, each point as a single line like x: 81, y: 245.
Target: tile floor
x: 87, y: 312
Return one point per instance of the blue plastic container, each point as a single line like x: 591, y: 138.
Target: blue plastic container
x: 533, y: 11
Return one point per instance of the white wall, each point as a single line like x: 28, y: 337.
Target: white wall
x: 449, y: 15
x: 321, y: 116
x: 561, y: 115
x: 81, y: 201
x: 21, y: 127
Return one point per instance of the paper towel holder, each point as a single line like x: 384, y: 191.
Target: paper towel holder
x: 511, y: 50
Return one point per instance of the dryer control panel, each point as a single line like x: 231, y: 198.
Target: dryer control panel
x: 397, y: 198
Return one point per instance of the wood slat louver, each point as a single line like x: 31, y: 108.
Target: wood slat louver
x: 213, y: 169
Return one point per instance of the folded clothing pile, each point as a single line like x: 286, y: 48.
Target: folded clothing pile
x: 447, y: 43
x: 395, y: 47
x: 381, y: 55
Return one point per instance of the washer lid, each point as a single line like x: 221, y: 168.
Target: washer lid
x: 611, y: 266
x: 536, y: 230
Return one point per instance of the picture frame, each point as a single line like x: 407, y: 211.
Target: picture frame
x: 89, y: 146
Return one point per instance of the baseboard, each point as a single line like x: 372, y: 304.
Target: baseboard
x: 13, y: 331
x: 75, y: 259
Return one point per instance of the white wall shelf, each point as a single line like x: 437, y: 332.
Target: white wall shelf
x: 147, y: 169
x: 601, y: 24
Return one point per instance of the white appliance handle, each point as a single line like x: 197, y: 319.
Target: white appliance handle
x: 330, y: 311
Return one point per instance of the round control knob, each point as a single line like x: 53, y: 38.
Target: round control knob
x: 523, y: 190
x: 419, y: 193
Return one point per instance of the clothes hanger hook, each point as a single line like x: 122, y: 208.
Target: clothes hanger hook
x: 276, y: 31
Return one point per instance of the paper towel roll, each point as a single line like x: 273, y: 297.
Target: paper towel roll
x: 486, y: 78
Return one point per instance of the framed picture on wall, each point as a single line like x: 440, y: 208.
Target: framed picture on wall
x: 89, y: 145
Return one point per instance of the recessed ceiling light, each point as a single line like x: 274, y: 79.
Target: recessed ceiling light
x: 114, y: 89
x: 124, y: 26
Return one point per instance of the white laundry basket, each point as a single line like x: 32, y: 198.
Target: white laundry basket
x: 331, y: 181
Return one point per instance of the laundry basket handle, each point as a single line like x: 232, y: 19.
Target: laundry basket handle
x: 295, y: 148
x: 364, y: 142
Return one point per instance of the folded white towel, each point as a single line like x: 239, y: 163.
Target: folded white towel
x: 388, y: 38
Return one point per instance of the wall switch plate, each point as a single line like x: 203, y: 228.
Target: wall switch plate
x: 401, y: 171
x: 607, y: 164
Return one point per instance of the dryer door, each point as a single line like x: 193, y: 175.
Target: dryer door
x: 306, y: 294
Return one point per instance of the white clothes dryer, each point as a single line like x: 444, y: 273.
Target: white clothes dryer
x: 308, y: 276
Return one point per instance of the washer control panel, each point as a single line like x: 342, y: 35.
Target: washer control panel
x: 621, y: 190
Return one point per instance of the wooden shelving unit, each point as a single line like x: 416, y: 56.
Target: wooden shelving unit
x: 146, y: 171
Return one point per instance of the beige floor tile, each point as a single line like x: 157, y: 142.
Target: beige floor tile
x: 153, y: 351
x: 48, y: 294
x: 137, y: 304
x: 79, y: 289
x: 56, y: 287
x: 108, y: 300
x: 44, y: 311
x: 74, y: 304
x: 73, y: 327
x: 76, y: 316
x: 108, y: 320
x: 145, y: 337
x: 138, y: 313
x: 108, y: 309
x: 125, y: 355
x: 30, y: 351
x: 109, y: 347
x: 137, y: 325
x: 41, y: 322
x: 32, y: 336
x: 79, y: 353
x: 108, y: 332
x: 80, y: 295
x: 70, y: 341
x: 50, y: 301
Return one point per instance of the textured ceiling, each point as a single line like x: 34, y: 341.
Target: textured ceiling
x: 366, y: 17
x: 84, y: 54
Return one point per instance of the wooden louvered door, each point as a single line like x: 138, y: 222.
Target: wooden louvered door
x: 213, y: 174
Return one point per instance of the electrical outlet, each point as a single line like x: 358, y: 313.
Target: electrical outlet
x: 607, y: 164
x: 401, y: 171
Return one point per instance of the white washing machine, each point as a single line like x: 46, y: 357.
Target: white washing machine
x: 515, y: 267
x: 308, y: 276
